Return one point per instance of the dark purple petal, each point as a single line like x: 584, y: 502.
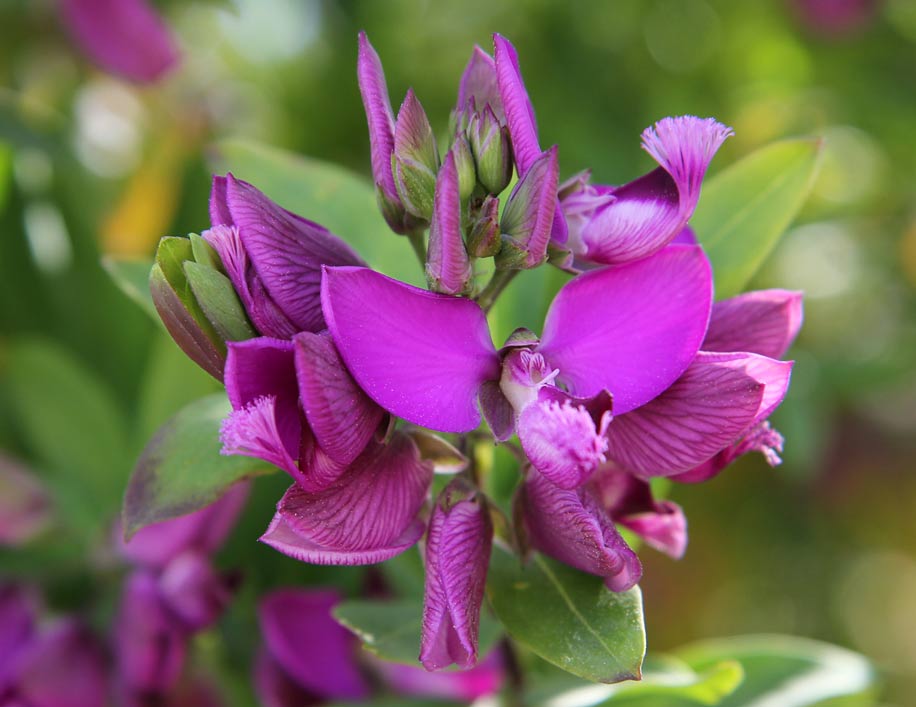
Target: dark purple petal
x: 448, y: 268
x: 194, y: 591
x: 484, y: 679
x: 368, y: 514
x: 497, y: 411
x: 562, y: 441
x: 64, y: 666
x: 150, y: 642
x: 763, y: 322
x: 341, y: 416
x: 629, y: 502
x: 124, y: 37
x: 705, y: 410
x: 379, y: 115
x: 572, y: 526
x: 479, y: 82
x: 202, y: 531
x: 457, y: 556
x: 17, y: 626
x: 286, y: 252
x: 25, y: 507
x: 420, y: 355
x: 631, y: 330
x: 314, y: 651
x: 762, y: 438
x: 650, y: 212
x: 275, y: 688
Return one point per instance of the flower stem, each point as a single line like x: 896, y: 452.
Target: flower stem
x: 418, y: 243
x: 487, y: 298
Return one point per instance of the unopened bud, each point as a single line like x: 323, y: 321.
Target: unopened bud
x: 448, y: 268
x: 415, y: 161
x: 492, y: 154
x: 464, y: 163
x: 485, y: 240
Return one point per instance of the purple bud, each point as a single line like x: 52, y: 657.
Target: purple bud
x: 374, y: 91
x: 485, y: 240
x: 528, y: 217
x: 416, y: 158
x: 448, y: 268
x: 457, y: 557
x: 479, y: 84
x: 492, y: 153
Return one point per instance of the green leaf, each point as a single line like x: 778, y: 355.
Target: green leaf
x: 569, y: 618
x: 391, y: 629
x: 181, y: 469
x: 338, y: 199
x: 745, y: 209
x: 73, y: 427
x: 788, y: 671
x: 132, y: 278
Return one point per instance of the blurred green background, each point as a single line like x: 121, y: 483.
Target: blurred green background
x: 823, y: 546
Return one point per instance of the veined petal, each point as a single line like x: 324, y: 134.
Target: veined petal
x: 151, y: 643
x: 630, y: 503
x: 202, y: 531
x: 631, y: 330
x: 369, y: 509
x: 125, y: 37
x: 571, y: 526
x: 519, y: 113
x: 651, y: 211
x: 479, y: 82
x: 379, y: 115
x: 64, y: 666
x: 420, y: 355
x: 341, y: 416
x: 286, y: 251
x: 761, y: 438
x: 448, y: 268
x: 562, y: 441
x: 764, y: 322
x: 457, y: 556
x: 311, y: 647
x: 717, y: 400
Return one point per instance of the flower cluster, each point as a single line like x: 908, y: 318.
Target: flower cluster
x: 346, y: 379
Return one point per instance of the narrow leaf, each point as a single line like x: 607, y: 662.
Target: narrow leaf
x: 745, y: 209
x: 569, y: 618
x: 181, y: 469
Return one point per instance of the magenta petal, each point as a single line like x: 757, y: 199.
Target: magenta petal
x: 203, y: 531
x: 367, y: 515
x: 484, y: 679
x: 457, y: 557
x: 773, y: 375
x: 125, y: 37
x: 151, y: 643
x: 312, y: 648
x: 573, y: 527
x: 194, y: 591
x: 651, y: 211
x: 479, y: 82
x: 342, y: 417
x: 562, y: 441
x: 63, y: 667
x: 17, y: 626
x: 631, y: 330
x: 448, y: 268
x: 763, y: 322
x: 630, y: 503
x: 420, y: 355
x: 379, y: 115
x: 287, y: 252
x: 519, y: 113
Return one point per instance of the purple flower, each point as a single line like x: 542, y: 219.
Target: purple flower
x: 483, y: 679
x: 612, y: 225
x: 457, y: 556
x: 59, y: 665
x: 307, y: 655
x: 448, y: 268
x: 25, y: 508
x: 273, y: 257
x: 124, y: 37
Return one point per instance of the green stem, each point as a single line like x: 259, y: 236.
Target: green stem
x: 487, y: 298
x: 418, y: 243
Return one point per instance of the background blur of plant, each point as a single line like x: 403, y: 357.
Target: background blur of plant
x: 824, y: 546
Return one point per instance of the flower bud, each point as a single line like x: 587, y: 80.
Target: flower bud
x: 415, y: 161
x: 492, y: 154
x: 484, y: 240
x: 464, y: 163
x: 527, y: 220
x: 448, y: 268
